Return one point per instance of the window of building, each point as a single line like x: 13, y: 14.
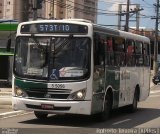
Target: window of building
x: 8, y: 2
x: 7, y: 10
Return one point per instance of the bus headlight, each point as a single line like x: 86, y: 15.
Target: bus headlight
x: 19, y: 92
x: 78, y: 95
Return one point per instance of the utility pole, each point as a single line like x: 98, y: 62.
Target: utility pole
x: 34, y: 3
x: 127, y: 16
x: 53, y: 10
x: 119, y: 16
x: 156, y: 39
x: 135, y: 11
x: 137, y: 17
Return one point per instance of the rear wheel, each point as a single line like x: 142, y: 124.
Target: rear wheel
x: 40, y: 115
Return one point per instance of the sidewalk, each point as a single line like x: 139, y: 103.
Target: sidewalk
x: 6, y: 104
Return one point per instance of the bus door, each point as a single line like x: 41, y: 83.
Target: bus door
x: 146, y: 71
x: 119, y: 63
x: 98, y: 75
x: 139, y: 63
x: 130, y: 75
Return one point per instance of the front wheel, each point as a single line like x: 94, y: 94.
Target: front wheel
x: 155, y: 83
x: 40, y: 115
x: 103, y: 116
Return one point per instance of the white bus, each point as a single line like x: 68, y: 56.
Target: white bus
x: 77, y: 67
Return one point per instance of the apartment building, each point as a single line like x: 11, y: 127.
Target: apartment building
x: 14, y: 9
x: 83, y: 9
x: 24, y: 10
x: 1, y: 8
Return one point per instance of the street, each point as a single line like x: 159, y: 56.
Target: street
x: 147, y: 116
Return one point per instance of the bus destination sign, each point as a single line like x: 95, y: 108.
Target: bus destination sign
x: 54, y: 28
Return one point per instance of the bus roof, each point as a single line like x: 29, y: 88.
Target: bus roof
x: 78, y: 21
x: 8, y: 25
x: 120, y: 33
x: 99, y: 28
x: 8, y: 21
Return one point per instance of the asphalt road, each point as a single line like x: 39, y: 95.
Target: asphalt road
x: 147, y: 116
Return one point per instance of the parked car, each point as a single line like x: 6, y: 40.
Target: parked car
x: 156, y: 78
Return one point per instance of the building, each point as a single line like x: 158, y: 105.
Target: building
x: 66, y: 9
x: 24, y: 10
x: 1, y: 8
x: 14, y: 9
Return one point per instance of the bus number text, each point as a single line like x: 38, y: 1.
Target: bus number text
x: 57, y: 86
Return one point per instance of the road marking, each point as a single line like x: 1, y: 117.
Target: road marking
x: 155, y: 96
x: 119, y: 122
x: 153, y: 92
x: 13, y: 114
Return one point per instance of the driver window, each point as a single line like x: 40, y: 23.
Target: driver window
x: 99, y: 50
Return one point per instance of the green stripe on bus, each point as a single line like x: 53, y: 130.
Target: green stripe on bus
x: 6, y: 54
x: 24, y: 84
x: 113, y: 79
x: 8, y: 27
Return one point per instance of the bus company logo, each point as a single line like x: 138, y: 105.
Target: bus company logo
x: 47, y: 95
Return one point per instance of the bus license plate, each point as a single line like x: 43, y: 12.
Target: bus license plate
x: 47, y: 106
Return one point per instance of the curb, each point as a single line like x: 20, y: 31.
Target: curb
x: 13, y: 113
x: 7, y: 106
x: 5, y: 93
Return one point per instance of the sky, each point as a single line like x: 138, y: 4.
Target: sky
x: 110, y: 9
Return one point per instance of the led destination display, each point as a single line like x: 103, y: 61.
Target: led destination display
x: 54, y: 28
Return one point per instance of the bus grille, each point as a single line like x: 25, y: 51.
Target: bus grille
x: 48, y: 93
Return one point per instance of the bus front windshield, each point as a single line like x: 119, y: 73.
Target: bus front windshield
x: 52, y: 58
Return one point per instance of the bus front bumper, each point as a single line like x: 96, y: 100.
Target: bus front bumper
x: 51, y: 106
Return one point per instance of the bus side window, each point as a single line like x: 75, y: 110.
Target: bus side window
x: 119, y: 55
x: 138, y: 53
x: 109, y: 51
x: 130, y: 53
x: 146, y: 54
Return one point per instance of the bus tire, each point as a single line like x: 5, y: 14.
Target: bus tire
x: 40, y: 115
x: 103, y: 116
x: 133, y: 107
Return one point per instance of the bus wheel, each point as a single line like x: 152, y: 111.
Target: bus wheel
x: 133, y: 107
x: 103, y: 116
x: 40, y: 115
